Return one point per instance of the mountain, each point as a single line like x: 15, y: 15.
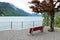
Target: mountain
x: 7, y: 9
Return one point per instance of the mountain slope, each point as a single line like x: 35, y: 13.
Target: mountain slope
x: 7, y: 9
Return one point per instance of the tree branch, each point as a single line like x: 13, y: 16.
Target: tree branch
x: 55, y: 4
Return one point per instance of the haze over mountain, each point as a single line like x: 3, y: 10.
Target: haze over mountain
x: 7, y: 9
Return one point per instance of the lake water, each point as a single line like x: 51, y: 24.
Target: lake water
x: 18, y: 23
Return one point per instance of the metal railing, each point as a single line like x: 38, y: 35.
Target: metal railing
x: 19, y: 25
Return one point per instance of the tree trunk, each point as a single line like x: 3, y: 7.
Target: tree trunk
x: 52, y: 22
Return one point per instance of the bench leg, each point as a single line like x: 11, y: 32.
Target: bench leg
x: 41, y: 30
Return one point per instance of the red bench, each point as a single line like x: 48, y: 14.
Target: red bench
x: 36, y: 28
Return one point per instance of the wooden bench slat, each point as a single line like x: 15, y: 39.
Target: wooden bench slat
x: 36, y: 28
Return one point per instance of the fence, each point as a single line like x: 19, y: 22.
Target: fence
x: 19, y: 25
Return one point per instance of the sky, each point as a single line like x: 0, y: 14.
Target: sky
x: 22, y: 4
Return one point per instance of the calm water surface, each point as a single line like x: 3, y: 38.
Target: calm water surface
x: 19, y: 22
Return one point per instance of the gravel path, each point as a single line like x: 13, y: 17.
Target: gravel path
x: 24, y: 35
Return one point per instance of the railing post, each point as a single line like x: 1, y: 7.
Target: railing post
x: 22, y: 24
x: 33, y: 24
x: 11, y: 25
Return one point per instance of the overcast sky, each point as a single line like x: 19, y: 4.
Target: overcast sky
x: 22, y: 4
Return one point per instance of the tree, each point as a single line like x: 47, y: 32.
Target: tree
x: 47, y: 7
x: 46, y: 20
x: 1, y: 12
x: 57, y: 19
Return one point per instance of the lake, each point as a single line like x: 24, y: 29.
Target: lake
x: 21, y: 22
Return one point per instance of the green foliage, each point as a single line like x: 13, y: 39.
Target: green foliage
x: 57, y: 19
x: 50, y: 30
x: 46, y: 20
x: 56, y: 22
x: 6, y: 11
